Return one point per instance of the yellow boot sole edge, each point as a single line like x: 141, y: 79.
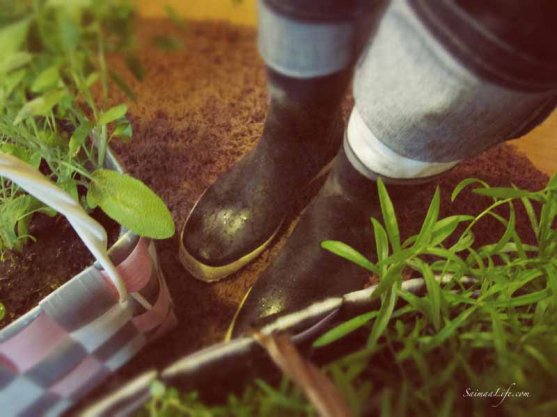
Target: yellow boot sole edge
x: 208, y: 273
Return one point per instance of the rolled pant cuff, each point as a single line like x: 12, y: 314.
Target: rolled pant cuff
x: 373, y: 159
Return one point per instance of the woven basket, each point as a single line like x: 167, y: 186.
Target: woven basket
x: 90, y: 326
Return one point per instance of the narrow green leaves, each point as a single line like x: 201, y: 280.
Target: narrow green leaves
x: 40, y: 106
x: 344, y: 329
x: 450, y: 328
x: 424, y: 236
x: 465, y: 183
x: 381, y: 241
x: 347, y: 252
x: 133, y: 205
x: 446, y: 227
x: 385, y: 312
x: 389, y: 216
x: 433, y: 291
x: 505, y: 192
x: 523, y: 300
x: 112, y: 114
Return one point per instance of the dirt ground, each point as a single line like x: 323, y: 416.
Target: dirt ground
x: 57, y: 255
x: 198, y: 110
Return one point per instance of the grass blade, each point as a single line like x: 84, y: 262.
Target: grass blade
x: 344, y: 329
x: 350, y: 254
x: 389, y: 216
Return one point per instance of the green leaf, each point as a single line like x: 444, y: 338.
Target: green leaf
x: 446, y: 227
x: 385, y: 312
x: 381, y: 242
x: 547, y: 216
x: 40, y: 106
x: 522, y: 300
x: 2, y: 311
x: 11, y: 213
x: 11, y: 81
x: 157, y: 389
x: 464, y: 242
x: 90, y: 201
x: 92, y: 79
x: 509, y: 231
x: 389, y: 216
x: 347, y: 252
x: 450, y: 328
x: 424, y: 236
x: 433, y: 291
x: 46, y: 79
x: 344, y: 329
x: 499, y: 335
x: 77, y: 140
x: 68, y: 29
x: 14, y: 61
x: 506, y: 192
x: 123, y: 129
x: 465, y: 183
x: 112, y: 114
x: 531, y: 214
x: 133, y: 205
x: 12, y: 36
x: 552, y: 183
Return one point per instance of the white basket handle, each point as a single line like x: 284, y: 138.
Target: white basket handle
x: 89, y: 230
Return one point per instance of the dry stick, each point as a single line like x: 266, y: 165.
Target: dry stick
x: 321, y: 392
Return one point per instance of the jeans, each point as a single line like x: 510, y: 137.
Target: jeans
x: 434, y: 82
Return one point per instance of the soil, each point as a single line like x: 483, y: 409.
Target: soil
x: 57, y: 255
x: 198, y: 110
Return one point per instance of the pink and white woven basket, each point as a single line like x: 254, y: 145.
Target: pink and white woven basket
x: 83, y: 331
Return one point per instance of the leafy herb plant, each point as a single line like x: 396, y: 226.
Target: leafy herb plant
x: 481, y: 341
x: 54, y: 85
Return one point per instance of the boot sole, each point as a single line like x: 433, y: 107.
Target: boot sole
x: 208, y: 273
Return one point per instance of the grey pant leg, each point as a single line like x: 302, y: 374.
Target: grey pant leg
x: 419, y: 110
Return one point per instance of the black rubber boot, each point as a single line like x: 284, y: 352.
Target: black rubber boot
x: 304, y: 272
x: 238, y: 216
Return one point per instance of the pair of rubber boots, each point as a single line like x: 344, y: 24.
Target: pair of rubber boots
x: 239, y: 215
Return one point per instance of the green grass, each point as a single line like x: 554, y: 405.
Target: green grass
x: 54, y: 112
x: 433, y: 355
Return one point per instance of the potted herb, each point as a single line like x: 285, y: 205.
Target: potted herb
x: 470, y: 334
x: 53, y: 75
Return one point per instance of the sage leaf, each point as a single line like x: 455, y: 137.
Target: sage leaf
x: 131, y: 203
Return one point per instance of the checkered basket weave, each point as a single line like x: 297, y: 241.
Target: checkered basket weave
x: 84, y: 330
